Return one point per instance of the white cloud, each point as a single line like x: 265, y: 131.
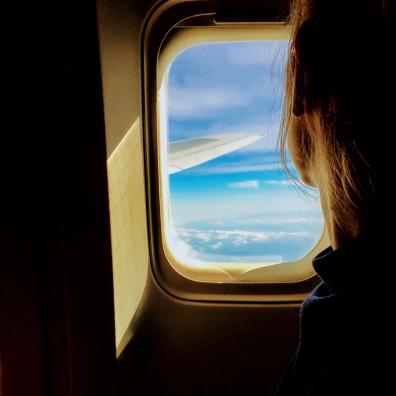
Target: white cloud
x: 241, y: 235
x: 280, y: 182
x: 245, y: 184
x: 202, y: 102
x: 227, y: 245
x: 216, y: 245
x: 246, y: 260
x: 194, y: 101
x: 240, y: 242
x: 182, y: 247
x: 203, y: 236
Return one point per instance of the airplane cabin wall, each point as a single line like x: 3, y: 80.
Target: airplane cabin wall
x: 120, y: 24
x: 172, y: 346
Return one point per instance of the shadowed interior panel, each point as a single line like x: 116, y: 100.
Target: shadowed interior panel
x: 190, y: 349
x: 178, y: 347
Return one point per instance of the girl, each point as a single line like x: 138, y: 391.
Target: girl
x: 338, y: 119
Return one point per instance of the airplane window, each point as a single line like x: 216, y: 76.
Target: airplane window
x: 227, y: 198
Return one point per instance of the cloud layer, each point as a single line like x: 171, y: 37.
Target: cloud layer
x: 226, y: 82
x: 203, y: 102
x: 248, y: 240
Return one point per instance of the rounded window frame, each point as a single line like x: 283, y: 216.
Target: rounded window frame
x: 284, y: 282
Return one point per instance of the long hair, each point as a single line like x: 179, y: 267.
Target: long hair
x: 338, y: 90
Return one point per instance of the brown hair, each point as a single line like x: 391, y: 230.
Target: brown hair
x: 338, y: 80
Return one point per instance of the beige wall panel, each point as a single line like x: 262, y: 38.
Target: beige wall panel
x: 128, y: 227
x: 120, y: 24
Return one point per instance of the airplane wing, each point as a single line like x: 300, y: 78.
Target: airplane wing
x: 184, y: 154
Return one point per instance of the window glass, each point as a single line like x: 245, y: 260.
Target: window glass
x: 228, y: 199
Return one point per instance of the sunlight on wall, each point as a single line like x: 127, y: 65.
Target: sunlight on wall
x: 128, y: 229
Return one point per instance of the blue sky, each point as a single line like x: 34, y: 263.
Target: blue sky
x: 241, y: 206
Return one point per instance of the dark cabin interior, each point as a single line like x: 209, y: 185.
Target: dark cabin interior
x: 58, y: 335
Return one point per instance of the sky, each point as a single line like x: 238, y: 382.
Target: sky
x: 240, y: 207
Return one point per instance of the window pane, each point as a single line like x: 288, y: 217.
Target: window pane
x: 229, y: 198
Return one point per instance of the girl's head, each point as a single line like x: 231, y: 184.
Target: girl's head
x: 339, y: 88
